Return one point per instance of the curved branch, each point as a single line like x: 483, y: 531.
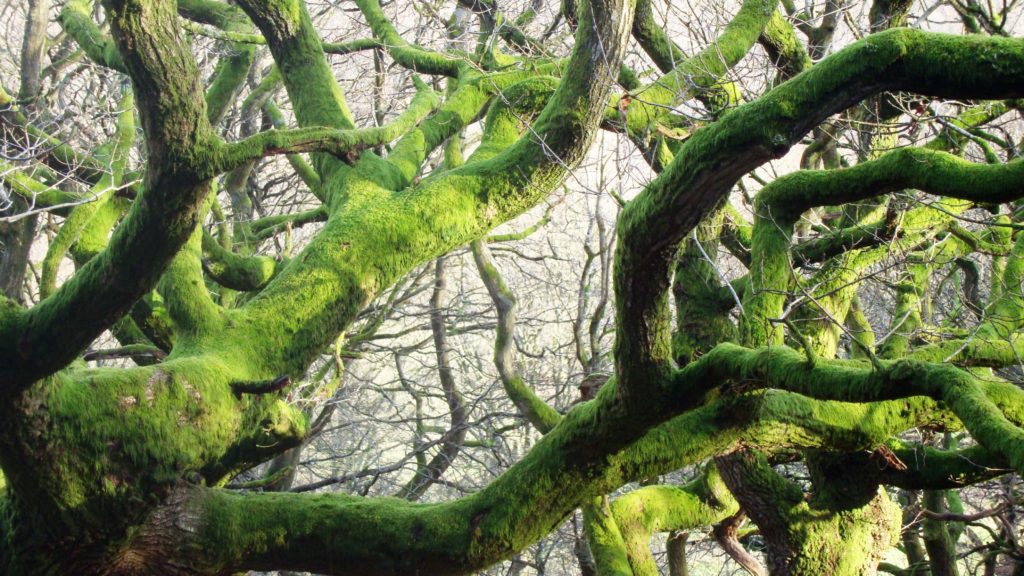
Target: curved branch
x: 169, y: 97
x: 382, y: 239
x: 780, y: 204
x: 341, y: 143
x: 726, y: 535
x: 569, y: 467
x: 693, y: 76
x: 231, y: 270
x: 541, y: 415
x: 654, y: 40
x: 412, y: 57
x: 660, y: 508
x: 994, y: 414
x: 931, y: 171
x: 711, y: 161
x: 76, y: 19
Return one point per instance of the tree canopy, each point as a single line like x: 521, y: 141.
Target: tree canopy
x: 238, y: 235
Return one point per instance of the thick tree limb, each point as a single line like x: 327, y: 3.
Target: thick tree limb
x: 455, y: 207
x: 170, y: 104
x: 709, y: 163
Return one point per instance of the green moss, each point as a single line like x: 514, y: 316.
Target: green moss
x: 321, y: 139
x: 315, y: 95
x: 76, y: 19
x: 688, y: 77
x: 188, y: 302
x: 412, y: 57
x: 702, y: 303
x: 661, y: 508
x: 121, y: 439
x: 783, y: 46
x: 89, y: 223
x: 243, y: 273
x: 605, y: 539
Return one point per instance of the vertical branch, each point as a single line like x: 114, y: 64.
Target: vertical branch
x: 542, y: 416
x: 315, y: 94
x: 451, y: 442
x: 16, y: 237
x: 33, y: 48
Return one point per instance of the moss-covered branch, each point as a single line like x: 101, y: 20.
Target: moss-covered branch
x: 780, y: 204
x: 381, y: 235
x: 268, y: 226
x: 187, y: 300
x: 298, y: 52
x: 169, y: 99
x: 76, y: 19
x: 336, y: 48
x: 839, y: 530
x: 662, y: 508
x: 993, y: 414
x: 233, y: 68
x: 784, y: 48
x: 116, y: 154
x: 36, y: 193
x: 710, y: 162
x: 930, y: 171
x: 540, y: 414
x: 588, y: 454
x: 691, y: 76
x: 243, y: 273
x: 654, y: 40
x: 415, y: 58
x: 342, y: 143
x: 926, y: 468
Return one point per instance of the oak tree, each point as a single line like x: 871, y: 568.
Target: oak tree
x: 908, y: 188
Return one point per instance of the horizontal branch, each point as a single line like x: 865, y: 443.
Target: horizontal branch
x: 341, y: 143
x: 261, y: 387
x: 951, y: 517
x: 141, y: 351
x: 992, y: 413
x: 269, y: 225
x: 35, y: 193
x: 335, y: 48
x: 930, y: 171
x: 975, y: 351
x: 589, y: 453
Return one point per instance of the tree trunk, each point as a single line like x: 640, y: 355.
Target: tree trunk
x: 839, y: 531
